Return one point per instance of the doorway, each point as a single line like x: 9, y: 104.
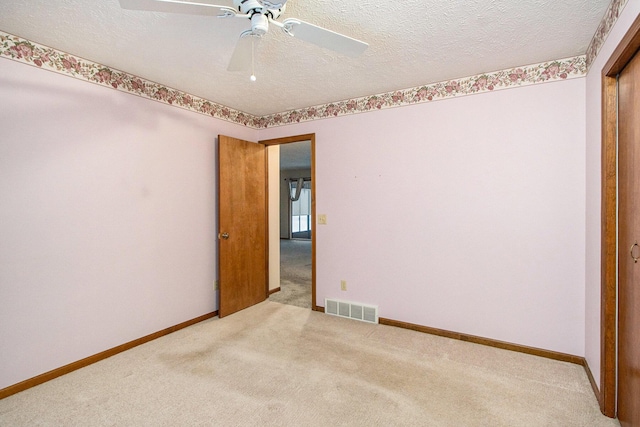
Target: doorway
x: 295, y: 179
x: 620, y: 349
x: 628, y: 236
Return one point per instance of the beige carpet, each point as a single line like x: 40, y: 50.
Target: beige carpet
x: 280, y: 365
x: 295, y: 273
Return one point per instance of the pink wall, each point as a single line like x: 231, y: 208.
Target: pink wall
x: 465, y: 214
x: 107, y: 218
x: 593, y: 182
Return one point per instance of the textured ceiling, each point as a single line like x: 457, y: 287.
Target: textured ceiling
x: 411, y: 43
x: 295, y: 156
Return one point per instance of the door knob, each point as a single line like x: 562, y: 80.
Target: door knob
x: 635, y: 258
x: 224, y: 236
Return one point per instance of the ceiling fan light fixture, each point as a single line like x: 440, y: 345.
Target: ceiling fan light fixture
x: 259, y: 24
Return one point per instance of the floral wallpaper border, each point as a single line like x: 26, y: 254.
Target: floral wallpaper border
x: 609, y: 19
x: 539, y: 73
x: 47, y: 58
x: 40, y: 56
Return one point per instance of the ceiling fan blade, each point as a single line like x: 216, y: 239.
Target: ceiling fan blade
x: 242, y: 54
x: 323, y: 37
x: 175, y: 6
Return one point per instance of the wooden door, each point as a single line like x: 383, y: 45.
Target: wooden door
x: 242, y: 231
x: 628, y: 238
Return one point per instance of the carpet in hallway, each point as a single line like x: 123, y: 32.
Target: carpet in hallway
x: 295, y: 273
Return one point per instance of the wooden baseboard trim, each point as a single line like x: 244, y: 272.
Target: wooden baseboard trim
x: 273, y: 291
x: 47, y: 376
x: 486, y: 341
x: 318, y: 308
x: 592, y: 380
x: 563, y: 357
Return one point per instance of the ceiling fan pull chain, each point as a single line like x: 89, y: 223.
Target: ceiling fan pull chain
x: 253, y: 69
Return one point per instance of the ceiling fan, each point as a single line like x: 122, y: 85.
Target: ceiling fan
x: 261, y: 13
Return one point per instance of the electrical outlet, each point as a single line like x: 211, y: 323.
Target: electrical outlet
x: 343, y: 285
x: 322, y: 219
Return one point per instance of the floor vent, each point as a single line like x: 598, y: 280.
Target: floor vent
x: 363, y: 312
